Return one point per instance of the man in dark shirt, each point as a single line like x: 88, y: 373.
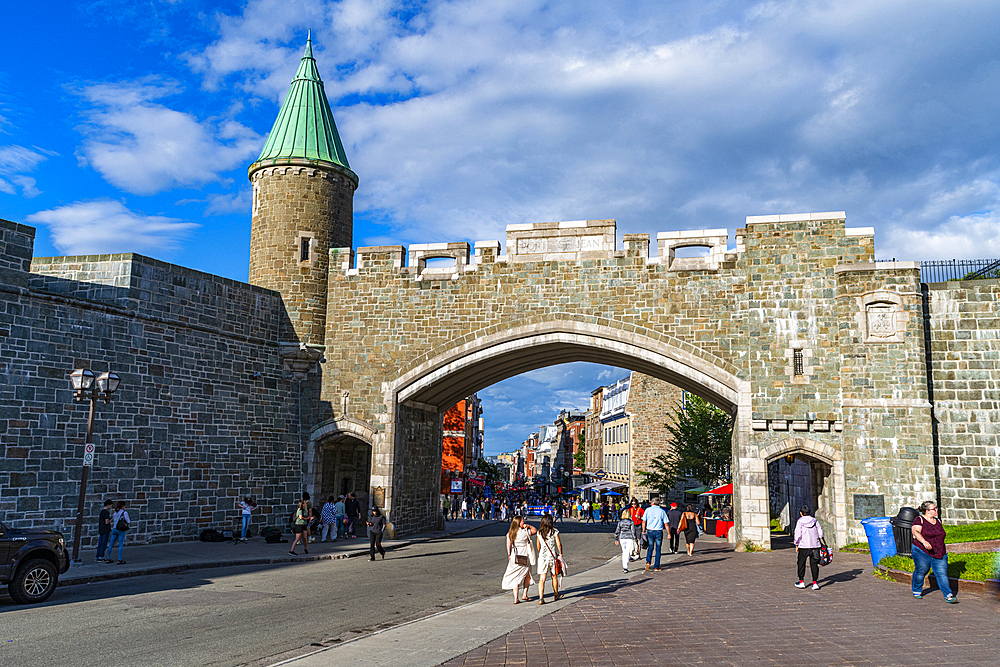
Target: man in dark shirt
x: 103, y: 530
x: 673, y: 522
x: 353, y: 509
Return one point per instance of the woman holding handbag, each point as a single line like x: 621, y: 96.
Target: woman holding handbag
x: 549, y: 556
x: 808, y: 538
x: 520, y: 558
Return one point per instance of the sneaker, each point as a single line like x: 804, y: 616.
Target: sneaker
x: 951, y: 599
x: 647, y: 567
x: 919, y: 596
x: 815, y: 586
x: 801, y: 584
x: 625, y: 570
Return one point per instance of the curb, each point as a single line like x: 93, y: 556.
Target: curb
x: 988, y: 587
x: 185, y: 567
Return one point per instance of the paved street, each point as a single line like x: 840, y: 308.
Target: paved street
x: 260, y: 614
x: 724, y: 608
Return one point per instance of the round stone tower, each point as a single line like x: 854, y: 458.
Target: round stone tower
x: 303, y: 205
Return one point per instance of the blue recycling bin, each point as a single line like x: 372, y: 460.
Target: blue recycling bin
x: 881, y: 543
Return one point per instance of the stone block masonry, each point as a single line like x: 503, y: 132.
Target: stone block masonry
x: 652, y: 405
x: 964, y: 336
x: 203, y: 415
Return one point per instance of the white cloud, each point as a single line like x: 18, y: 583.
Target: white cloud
x: 223, y: 204
x: 462, y: 117
x: 15, y: 162
x: 975, y: 236
x: 144, y: 147
x: 100, y: 227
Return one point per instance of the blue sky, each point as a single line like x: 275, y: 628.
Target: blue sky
x: 128, y: 126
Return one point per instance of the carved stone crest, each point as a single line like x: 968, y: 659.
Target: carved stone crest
x: 881, y: 321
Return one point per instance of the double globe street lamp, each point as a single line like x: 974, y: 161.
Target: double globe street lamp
x: 86, y: 385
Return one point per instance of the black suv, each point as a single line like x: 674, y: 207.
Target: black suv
x: 30, y: 562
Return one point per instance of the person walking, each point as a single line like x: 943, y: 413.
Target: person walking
x: 307, y: 532
x: 330, y: 519
x: 465, y: 508
x: 445, y: 508
x: 376, y: 526
x: 103, y: 530
x: 518, y: 575
x: 120, y: 523
x: 653, y: 520
x: 929, y: 552
x: 549, y: 548
x: 689, y: 526
x: 341, y: 516
x: 673, y: 523
x: 808, y: 534
x: 247, y: 506
x: 299, y: 522
x: 353, y: 508
x: 635, y: 514
x: 625, y: 537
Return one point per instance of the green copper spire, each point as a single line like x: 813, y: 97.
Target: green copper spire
x: 305, y: 129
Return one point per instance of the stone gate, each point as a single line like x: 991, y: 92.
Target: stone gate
x: 817, y: 350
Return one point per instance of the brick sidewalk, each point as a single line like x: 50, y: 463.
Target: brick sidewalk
x: 724, y: 608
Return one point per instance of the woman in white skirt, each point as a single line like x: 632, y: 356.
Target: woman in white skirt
x: 549, y: 547
x: 519, y: 543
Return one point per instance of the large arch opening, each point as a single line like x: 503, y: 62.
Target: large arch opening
x: 416, y: 399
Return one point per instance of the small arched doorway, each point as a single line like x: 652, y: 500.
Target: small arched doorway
x: 802, y: 471
x: 341, y: 455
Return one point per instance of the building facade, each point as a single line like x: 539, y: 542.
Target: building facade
x: 462, y: 443
x: 594, y: 433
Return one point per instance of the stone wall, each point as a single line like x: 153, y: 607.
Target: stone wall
x: 16, y: 244
x: 203, y: 414
x: 651, y: 405
x: 964, y: 327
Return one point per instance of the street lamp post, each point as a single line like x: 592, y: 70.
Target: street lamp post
x: 84, y: 386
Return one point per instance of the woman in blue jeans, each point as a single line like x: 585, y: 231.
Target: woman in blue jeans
x: 929, y: 552
x: 120, y: 521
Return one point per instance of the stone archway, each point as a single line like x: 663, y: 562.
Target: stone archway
x: 827, y: 464
x: 418, y: 396
x: 339, y: 459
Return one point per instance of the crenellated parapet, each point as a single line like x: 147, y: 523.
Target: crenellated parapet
x: 575, y: 241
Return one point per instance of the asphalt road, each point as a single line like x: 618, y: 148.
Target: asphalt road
x: 258, y: 615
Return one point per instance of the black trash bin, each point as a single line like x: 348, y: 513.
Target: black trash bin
x: 901, y: 524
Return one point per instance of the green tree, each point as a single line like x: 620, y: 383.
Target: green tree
x: 700, y: 437
x: 580, y: 457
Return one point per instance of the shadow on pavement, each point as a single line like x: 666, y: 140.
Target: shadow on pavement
x: 841, y: 577
x: 432, y: 553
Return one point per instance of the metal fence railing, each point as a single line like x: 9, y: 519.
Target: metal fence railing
x: 942, y: 270
x: 938, y: 271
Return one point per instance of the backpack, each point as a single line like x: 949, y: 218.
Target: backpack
x: 211, y: 535
x: 271, y: 535
x: 825, y: 557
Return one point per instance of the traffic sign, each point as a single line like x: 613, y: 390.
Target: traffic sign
x: 88, y: 454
